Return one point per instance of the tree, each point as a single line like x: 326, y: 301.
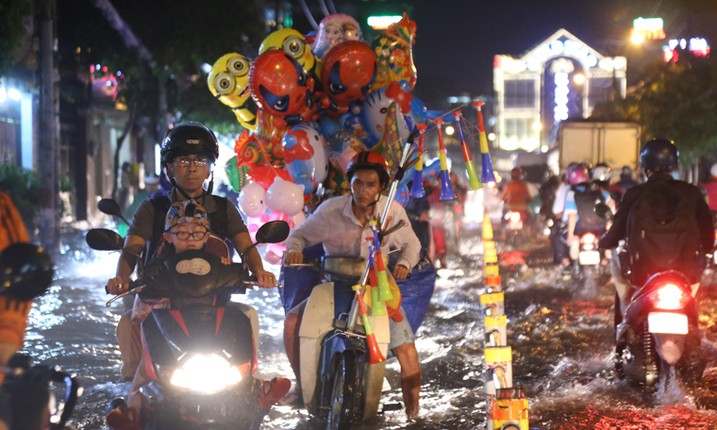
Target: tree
x: 13, y: 16
x: 676, y: 102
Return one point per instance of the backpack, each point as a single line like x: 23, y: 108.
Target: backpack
x: 588, y: 221
x: 161, y: 204
x: 662, y: 234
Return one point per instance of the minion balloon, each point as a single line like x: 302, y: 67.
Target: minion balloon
x: 294, y: 44
x: 228, y: 81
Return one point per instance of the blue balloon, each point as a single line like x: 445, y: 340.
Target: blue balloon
x: 421, y: 114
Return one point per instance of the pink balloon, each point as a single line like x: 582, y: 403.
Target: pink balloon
x: 251, y: 200
x: 285, y: 196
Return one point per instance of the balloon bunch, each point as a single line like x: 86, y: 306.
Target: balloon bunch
x: 308, y: 104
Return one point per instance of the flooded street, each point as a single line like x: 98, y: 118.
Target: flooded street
x: 561, y: 340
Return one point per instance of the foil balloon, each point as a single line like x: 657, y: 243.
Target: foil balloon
x: 402, y: 194
x: 305, y: 156
x: 265, y: 175
x: 335, y: 29
x: 228, y: 81
x: 236, y: 175
x: 342, y: 147
x: 285, y: 197
x: 374, y: 113
x: 347, y: 75
x: 293, y: 44
x: 249, y: 150
x: 251, y: 200
x: 394, y: 49
x: 278, y: 84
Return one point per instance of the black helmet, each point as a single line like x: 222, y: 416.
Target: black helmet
x: 26, y: 271
x: 189, y: 138
x: 659, y: 155
x: 369, y: 160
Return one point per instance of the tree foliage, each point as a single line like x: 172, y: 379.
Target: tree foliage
x: 23, y: 187
x: 13, y: 15
x: 180, y: 36
x: 676, y: 101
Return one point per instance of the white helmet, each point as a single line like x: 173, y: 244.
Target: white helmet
x: 713, y: 170
x: 601, y: 172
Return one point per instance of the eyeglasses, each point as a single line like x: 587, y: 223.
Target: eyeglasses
x: 184, y: 235
x: 186, y: 161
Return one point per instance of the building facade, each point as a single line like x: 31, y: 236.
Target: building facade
x: 561, y: 78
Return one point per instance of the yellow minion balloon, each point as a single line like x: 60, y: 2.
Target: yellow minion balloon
x: 294, y: 44
x: 228, y: 81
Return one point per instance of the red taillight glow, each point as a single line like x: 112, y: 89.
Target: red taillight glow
x: 669, y: 297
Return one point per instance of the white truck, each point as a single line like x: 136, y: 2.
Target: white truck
x: 615, y: 143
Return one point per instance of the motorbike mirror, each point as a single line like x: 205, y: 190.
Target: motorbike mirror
x: 102, y: 239
x: 273, y: 232
x: 603, y: 211
x: 26, y: 271
x: 111, y: 207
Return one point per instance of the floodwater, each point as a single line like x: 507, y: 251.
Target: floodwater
x: 561, y: 339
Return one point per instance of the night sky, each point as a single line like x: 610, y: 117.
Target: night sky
x: 457, y: 39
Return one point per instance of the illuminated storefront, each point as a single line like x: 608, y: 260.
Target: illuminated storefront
x: 560, y: 78
x: 16, y: 123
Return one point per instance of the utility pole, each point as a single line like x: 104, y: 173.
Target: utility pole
x: 48, y: 154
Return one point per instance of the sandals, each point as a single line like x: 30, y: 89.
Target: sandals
x: 272, y: 392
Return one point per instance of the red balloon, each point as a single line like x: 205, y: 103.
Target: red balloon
x: 278, y: 84
x: 264, y: 175
x: 348, y: 72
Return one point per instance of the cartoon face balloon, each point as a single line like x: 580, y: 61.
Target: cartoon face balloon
x: 285, y: 196
x: 335, y: 29
x: 294, y: 44
x: 305, y: 156
x: 228, y: 81
x: 251, y: 200
x: 347, y: 73
x: 375, y: 110
x: 278, y: 84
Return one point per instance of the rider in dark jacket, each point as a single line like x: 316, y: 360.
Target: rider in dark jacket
x: 658, y: 158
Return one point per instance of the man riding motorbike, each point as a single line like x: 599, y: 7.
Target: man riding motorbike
x: 658, y: 158
x: 342, y: 225
x: 516, y: 195
x: 188, y: 152
x: 578, y: 213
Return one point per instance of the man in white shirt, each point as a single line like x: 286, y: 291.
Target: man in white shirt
x: 341, y: 224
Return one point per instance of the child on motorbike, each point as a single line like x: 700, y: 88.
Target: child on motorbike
x: 186, y: 228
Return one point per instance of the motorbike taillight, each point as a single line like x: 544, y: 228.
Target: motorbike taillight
x: 669, y: 297
x: 514, y: 216
x: 588, y: 239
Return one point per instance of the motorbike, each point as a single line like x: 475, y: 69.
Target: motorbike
x: 33, y: 392
x: 516, y: 225
x: 657, y: 336
x: 659, y: 331
x: 340, y: 384
x: 586, y: 257
x: 199, y: 353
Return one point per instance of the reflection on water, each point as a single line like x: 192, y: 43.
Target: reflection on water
x: 562, y: 350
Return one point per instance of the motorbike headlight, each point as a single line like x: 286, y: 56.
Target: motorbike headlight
x: 206, y: 374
